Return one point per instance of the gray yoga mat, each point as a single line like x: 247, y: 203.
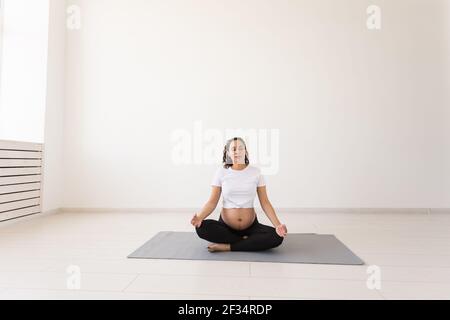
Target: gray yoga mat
x: 296, y: 248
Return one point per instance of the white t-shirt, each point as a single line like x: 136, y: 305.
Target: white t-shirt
x: 238, y: 186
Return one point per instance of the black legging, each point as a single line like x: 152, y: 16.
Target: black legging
x: 260, y: 236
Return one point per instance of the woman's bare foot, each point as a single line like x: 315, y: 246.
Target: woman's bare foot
x: 213, y: 247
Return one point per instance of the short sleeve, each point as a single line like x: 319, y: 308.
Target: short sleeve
x: 217, y: 178
x: 261, y: 181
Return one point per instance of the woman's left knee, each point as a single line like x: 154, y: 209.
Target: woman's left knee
x: 276, y: 239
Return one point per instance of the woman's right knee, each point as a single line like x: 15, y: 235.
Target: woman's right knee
x: 201, y: 231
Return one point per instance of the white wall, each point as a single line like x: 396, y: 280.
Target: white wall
x: 54, y: 116
x: 32, y: 84
x: 447, y: 86
x: 24, y: 74
x: 361, y: 114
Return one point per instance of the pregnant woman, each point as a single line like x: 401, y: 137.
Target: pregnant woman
x: 238, y: 228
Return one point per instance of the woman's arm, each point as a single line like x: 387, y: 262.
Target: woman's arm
x: 267, y: 206
x: 211, y: 204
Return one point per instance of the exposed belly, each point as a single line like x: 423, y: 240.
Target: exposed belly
x: 238, y: 218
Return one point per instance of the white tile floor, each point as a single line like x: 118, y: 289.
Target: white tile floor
x: 412, y: 251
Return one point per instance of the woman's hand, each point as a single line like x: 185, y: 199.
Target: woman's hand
x: 196, y: 221
x: 281, y: 230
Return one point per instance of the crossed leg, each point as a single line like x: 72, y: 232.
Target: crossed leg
x: 255, y: 238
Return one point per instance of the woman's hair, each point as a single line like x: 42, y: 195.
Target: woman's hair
x: 227, y: 161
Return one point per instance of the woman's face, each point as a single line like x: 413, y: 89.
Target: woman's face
x: 237, y: 152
